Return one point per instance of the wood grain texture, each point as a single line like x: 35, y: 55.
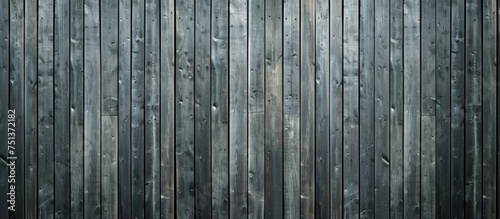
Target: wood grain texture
x: 109, y: 173
x: 291, y: 108
x: 4, y: 98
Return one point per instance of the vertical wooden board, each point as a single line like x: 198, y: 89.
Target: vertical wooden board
x: 30, y: 115
x: 77, y: 110
x: 45, y: 110
x: 322, y: 110
x: 202, y: 109
x: 62, y: 110
x: 220, y: 108
x: 396, y: 102
x: 152, y: 111
x: 184, y: 113
x: 428, y: 175
x: 428, y: 109
x: 167, y: 105
x: 411, y: 102
x: 4, y: 99
x: 443, y: 111
x: 273, y: 191
x: 17, y: 98
x: 124, y: 110
x: 307, y: 103
x: 137, y: 113
x: 238, y: 104
x: 109, y: 133
x: 382, y: 109
x: 367, y: 108
x: 457, y: 109
x: 473, y: 109
x: 351, y: 108
x: 336, y: 117
x: 291, y: 106
x: 92, y: 111
x: 256, y: 155
x: 489, y: 98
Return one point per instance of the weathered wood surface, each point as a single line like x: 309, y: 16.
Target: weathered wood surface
x: 251, y: 109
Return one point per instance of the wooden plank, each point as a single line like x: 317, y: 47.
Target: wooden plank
x: 291, y: 104
x: 473, y: 109
x: 62, y: 110
x: 489, y: 98
x: 307, y: 103
x: 124, y: 110
x: 220, y: 107
x: 109, y: 109
x: 203, y: 181
x: 92, y: 111
x: 167, y: 105
x: 443, y: 111
x: 322, y: 111
x: 382, y: 109
x: 137, y: 113
x: 412, y: 111
x: 77, y: 110
x: 367, y: 108
x: 238, y: 107
x: 396, y: 102
x: 45, y: 109
x: 184, y: 119
x: 17, y: 99
x: 351, y: 108
x: 109, y: 133
x: 428, y: 110
x: 30, y: 110
x: 457, y: 109
x: 152, y: 112
x: 336, y: 117
x: 4, y: 98
x: 273, y: 191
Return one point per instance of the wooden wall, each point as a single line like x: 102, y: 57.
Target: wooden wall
x: 251, y: 108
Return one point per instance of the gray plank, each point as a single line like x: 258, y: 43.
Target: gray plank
x: 77, y: 110
x: 457, y: 109
x: 220, y: 106
x: 291, y: 107
x: 273, y: 143
x: 152, y: 112
x: 109, y: 177
x: 412, y: 111
x: 167, y: 105
x: 442, y: 105
x: 109, y: 108
x: 62, y: 110
x: 307, y: 102
x: 17, y: 97
x: 367, y: 108
x: 184, y: 113
x: 428, y: 109
x: 489, y: 101
x: 336, y: 117
x: 137, y: 113
x: 322, y: 111
x: 351, y: 108
x: 396, y: 102
x: 124, y: 110
x: 30, y: 115
x: 45, y: 109
x: 473, y: 109
x: 92, y: 111
x: 203, y: 181
x: 238, y: 104
x: 382, y: 109
x: 4, y: 98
